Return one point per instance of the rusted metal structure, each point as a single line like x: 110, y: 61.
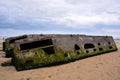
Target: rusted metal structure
x: 31, y: 51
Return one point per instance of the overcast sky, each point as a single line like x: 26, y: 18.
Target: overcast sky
x: 90, y: 17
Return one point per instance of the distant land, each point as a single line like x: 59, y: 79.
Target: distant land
x: 3, y: 37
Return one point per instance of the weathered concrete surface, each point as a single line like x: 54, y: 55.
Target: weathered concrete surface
x: 45, y: 50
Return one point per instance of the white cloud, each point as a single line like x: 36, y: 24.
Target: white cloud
x: 68, y: 13
x: 64, y: 12
x: 88, y: 20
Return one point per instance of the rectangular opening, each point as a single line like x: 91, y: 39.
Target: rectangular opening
x: 49, y: 50
x: 17, y: 38
x: 36, y: 44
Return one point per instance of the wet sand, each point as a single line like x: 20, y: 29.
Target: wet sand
x: 101, y: 67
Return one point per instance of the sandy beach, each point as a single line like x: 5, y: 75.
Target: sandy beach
x: 100, y: 67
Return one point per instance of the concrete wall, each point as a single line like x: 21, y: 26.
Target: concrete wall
x: 67, y: 42
x: 41, y: 50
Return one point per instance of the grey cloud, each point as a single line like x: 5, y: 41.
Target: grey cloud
x: 51, y: 11
x: 57, y: 13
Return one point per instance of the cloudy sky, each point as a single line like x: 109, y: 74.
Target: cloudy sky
x: 91, y: 17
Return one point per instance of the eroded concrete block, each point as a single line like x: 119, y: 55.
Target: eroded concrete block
x: 44, y: 50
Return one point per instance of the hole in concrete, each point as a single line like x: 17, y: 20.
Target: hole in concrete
x: 35, y: 44
x: 101, y: 49
x: 109, y: 43
x: 87, y: 51
x: 94, y: 50
x: 98, y: 43
x: 49, y: 50
x: 88, y: 45
x: 110, y: 47
x: 65, y: 55
x: 36, y: 53
x: 4, y: 46
x: 76, y: 47
x: 78, y: 53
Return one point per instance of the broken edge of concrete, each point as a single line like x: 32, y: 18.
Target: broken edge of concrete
x: 32, y: 51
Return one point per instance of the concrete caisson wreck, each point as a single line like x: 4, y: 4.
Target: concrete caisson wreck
x: 32, y: 51
x: 8, y: 45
